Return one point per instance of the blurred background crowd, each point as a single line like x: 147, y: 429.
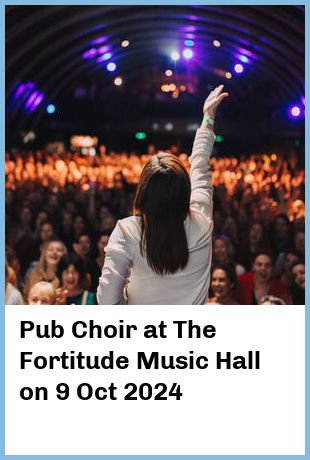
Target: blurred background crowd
x: 61, y: 210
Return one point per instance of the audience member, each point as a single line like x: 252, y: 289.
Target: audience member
x: 46, y: 269
x: 223, y: 281
x: 42, y: 293
x: 297, y: 270
x: 254, y: 285
x: 71, y: 273
x: 223, y: 253
x: 12, y: 295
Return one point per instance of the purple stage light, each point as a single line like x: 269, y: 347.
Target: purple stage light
x: 238, y: 68
x: 89, y: 54
x: 245, y: 52
x: 29, y: 85
x: 37, y: 102
x: 19, y: 91
x: 188, y: 53
x: 303, y: 100
x: 103, y: 49
x: 189, y: 28
x: 31, y: 99
x: 245, y: 42
x: 99, y: 40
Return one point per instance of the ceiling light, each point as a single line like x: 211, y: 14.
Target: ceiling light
x: 118, y: 81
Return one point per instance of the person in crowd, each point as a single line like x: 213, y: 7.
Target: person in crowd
x: 72, y: 275
x: 281, y: 236
x: 223, y: 282
x: 84, y: 248
x: 102, y: 240
x: 42, y: 293
x: 230, y: 229
x: 12, y: 264
x: 271, y: 300
x: 285, y: 260
x: 42, y: 216
x: 254, y: 285
x: 47, y: 232
x: 254, y: 240
x: 162, y: 254
x: 297, y: 270
x: 12, y: 295
x: 79, y: 226
x: 223, y: 253
x: 299, y: 243
x: 24, y: 234
x: 51, y: 253
x: 66, y: 230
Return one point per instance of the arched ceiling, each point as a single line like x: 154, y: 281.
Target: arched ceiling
x: 46, y: 45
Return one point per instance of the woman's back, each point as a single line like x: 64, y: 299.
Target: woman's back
x: 133, y: 272
x: 187, y: 286
x: 125, y: 265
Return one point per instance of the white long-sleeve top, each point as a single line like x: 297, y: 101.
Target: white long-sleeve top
x: 125, y: 266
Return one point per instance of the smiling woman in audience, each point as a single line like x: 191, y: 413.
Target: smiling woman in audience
x: 297, y: 271
x: 259, y: 282
x: 223, y: 253
x: 223, y: 281
x: 47, y: 267
x: 72, y: 275
x: 42, y: 293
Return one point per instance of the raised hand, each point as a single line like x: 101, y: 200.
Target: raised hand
x: 213, y: 101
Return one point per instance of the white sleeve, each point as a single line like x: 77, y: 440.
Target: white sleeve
x: 116, y: 269
x: 201, y: 180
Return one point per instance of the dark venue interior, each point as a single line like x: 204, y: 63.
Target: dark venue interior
x: 93, y: 91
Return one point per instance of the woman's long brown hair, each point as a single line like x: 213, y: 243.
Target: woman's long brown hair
x: 163, y: 202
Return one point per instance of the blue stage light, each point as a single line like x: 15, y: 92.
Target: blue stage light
x: 50, y: 108
x: 243, y: 58
x: 188, y: 53
x: 295, y: 111
x: 106, y: 56
x: 111, y: 66
x: 238, y: 68
x: 189, y: 43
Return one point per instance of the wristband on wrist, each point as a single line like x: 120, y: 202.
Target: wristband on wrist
x: 210, y: 121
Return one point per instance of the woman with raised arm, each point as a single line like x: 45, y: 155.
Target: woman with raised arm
x: 162, y: 254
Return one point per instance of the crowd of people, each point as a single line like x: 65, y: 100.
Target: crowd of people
x: 61, y: 210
